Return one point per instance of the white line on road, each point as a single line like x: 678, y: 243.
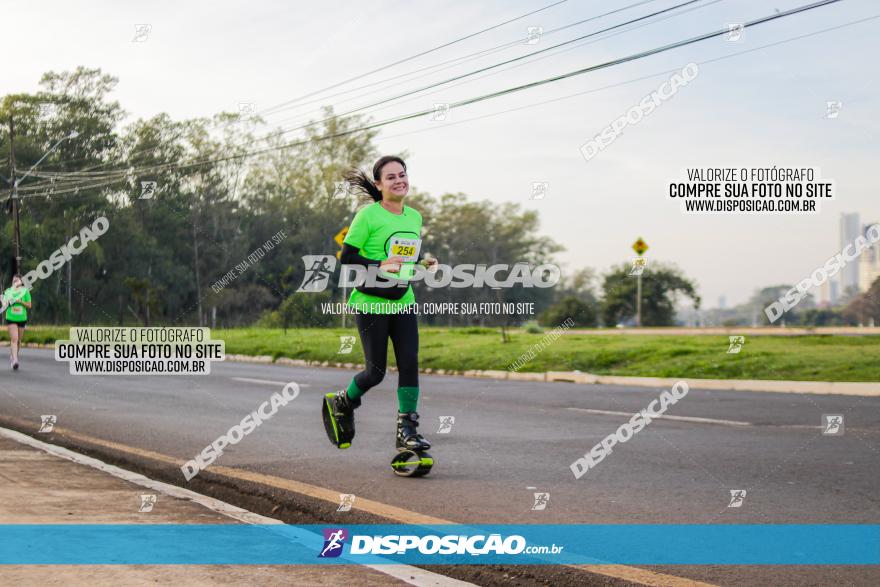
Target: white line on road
x: 266, y: 381
x: 664, y: 417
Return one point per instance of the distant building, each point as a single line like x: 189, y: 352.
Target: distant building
x: 869, y: 264
x: 826, y: 293
x: 849, y: 230
x: 722, y: 302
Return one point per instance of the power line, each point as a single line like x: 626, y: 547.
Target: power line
x: 281, y: 132
x: 417, y: 55
x: 577, y: 46
x: 644, y: 77
x: 282, y: 106
x: 471, y: 73
x: 492, y: 95
x: 471, y: 56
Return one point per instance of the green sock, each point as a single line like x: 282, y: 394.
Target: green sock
x: 407, y: 398
x: 353, y: 391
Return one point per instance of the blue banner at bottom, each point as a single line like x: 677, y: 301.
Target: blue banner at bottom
x: 271, y: 544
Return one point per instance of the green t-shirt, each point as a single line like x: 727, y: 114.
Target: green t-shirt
x: 16, y: 312
x: 374, y: 230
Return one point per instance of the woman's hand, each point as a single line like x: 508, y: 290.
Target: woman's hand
x: 391, y: 264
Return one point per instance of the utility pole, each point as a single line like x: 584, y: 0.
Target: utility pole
x: 639, y: 300
x: 640, y: 246
x: 15, y: 181
x: 16, y: 237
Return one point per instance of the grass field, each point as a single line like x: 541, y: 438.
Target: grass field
x: 806, y: 358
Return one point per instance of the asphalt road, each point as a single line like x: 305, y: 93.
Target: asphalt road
x: 509, y: 440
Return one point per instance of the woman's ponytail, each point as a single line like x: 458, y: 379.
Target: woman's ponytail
x: 359, y: 183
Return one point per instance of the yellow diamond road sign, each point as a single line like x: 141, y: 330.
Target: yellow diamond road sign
x: 640, y: 247
x: 340, y: 236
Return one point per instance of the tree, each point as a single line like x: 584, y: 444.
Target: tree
x: 301, y: 310
x: 865, y: 308
x: 767, y: 295
x: 196, y: 248
x: 823, y: 317
x: 661, y: 285
x: 580, y: 312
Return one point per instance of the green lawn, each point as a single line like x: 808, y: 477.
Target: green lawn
x: 807, y: 358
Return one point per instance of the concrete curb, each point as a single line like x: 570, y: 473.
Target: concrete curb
x: 867, y: 389
x: 728, y: 330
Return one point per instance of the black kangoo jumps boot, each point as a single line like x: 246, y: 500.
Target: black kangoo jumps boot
x: 338, y: 415
x: 408, y: 437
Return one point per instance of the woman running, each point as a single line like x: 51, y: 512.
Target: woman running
x: 16, y: 301
x: 384, y: 237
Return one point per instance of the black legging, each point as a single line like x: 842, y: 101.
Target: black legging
x: 375, y: 330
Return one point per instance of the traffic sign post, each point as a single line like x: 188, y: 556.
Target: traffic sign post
x: 640, y: 246
x: 340, y: 238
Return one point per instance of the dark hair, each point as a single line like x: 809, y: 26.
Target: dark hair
x: 359, y: 181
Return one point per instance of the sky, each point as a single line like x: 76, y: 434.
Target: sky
x: 751, y: 105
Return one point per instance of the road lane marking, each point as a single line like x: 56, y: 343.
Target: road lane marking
x: 665, y: 417
x: 266, y: 381
x: 641, y: 576
x: 721, y: 422
x: 399, y: 515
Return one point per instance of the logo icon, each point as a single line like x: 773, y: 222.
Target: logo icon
x: 141, y: 32
x: 441, y: 111
x: 319, y: 268
x: 737, y: 497
x: 47, y: 423
x: 541, y: 501
x: 148, y: 190
x: 539, y: 190
x: 534, y: 35
x: 735, y: 32
x: 48, y: 110
x: 346, y: 500
x: 832, y: 109
x: 246, y: 110
x: 638, y: 265
x: 341, y: 189
x: 147, y: 503
x: 334, y: 539
x: 832, y: 424
x: 346, y: 344
x: 446, y: 424
x: 736, y: 344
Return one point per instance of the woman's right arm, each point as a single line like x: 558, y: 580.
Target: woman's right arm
x: 351, y: 255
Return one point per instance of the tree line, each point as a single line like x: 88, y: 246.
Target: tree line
x: 192, y: 206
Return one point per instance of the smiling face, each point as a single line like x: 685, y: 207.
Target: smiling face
x: 393, y: 182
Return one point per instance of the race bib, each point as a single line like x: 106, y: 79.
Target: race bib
x: 408, y: 248
x: 17, y: 310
